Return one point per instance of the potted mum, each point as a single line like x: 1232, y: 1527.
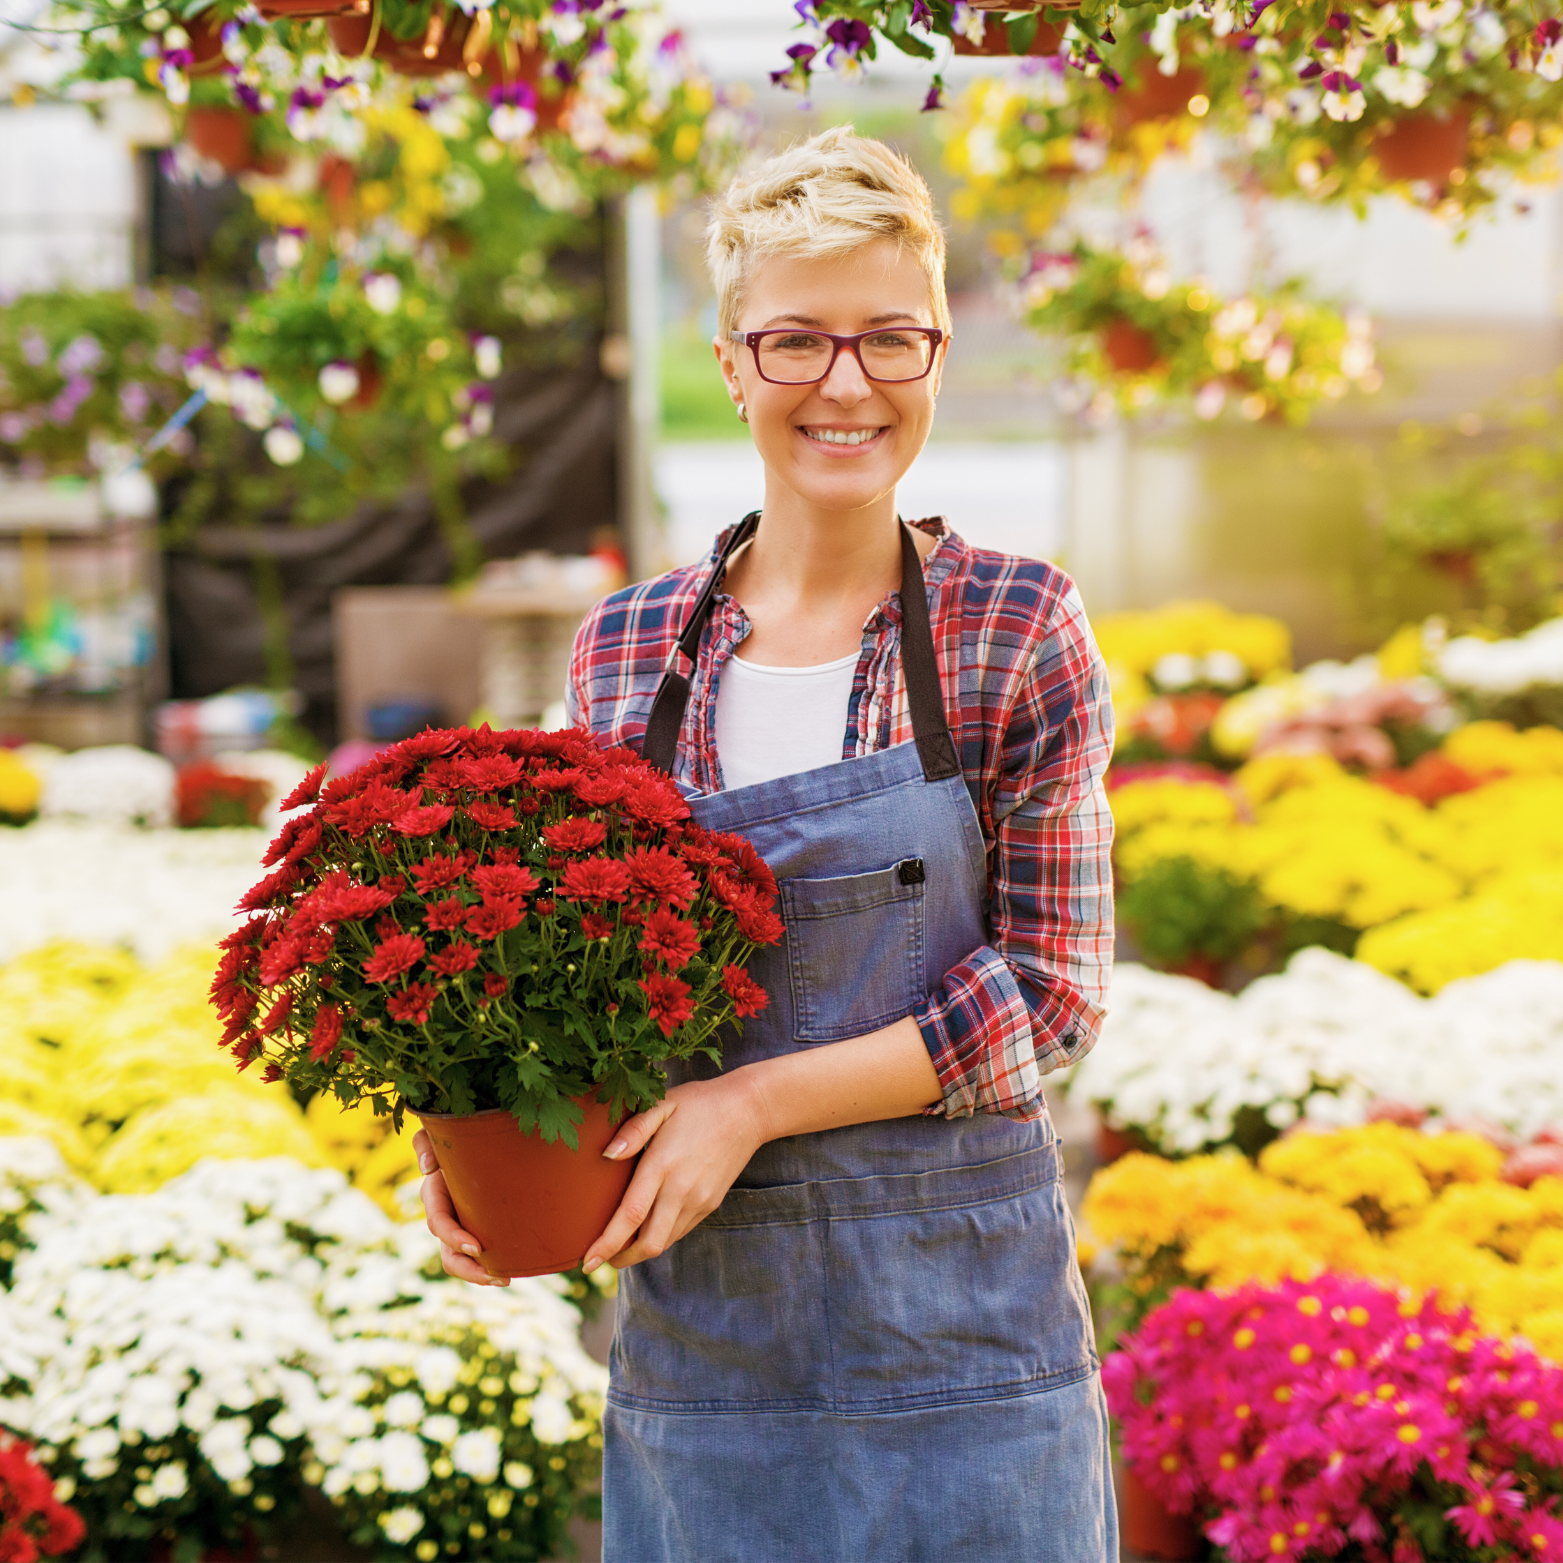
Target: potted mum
x: 506, y: 934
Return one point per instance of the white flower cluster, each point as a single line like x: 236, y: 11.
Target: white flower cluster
x: 1322, y: 1040
x: 150, y: 891
x: 1505, y: 667
x: 234, y: 1333
x: 115, y: 783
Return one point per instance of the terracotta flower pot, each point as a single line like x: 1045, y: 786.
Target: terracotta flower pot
x: 535, y: 1208
x: 1422, y: 146
x: 221, y: 135
x: 1048, y: 39
x: 439, y: 51
x: 1129, y: 349
x: 1111, y: 1143
x: 1154, y: 96
x: 302, y: 10
x: 1150, y: 1529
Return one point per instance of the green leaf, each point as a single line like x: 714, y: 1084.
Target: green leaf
x: 557, y: 1117
x: 1023, y: 32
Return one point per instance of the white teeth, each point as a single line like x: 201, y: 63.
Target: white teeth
x: 841, y: 436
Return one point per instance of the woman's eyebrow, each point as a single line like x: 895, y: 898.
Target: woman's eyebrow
x: 814, y: 321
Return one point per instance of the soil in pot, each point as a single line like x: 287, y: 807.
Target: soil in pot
x: 1150, y: 1529
x: 1423, y: 147
x: 1129, y: 348
x: 535, y: 1208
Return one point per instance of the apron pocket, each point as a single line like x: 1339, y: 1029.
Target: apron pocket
x: 732, y: 1316
x: 854, y: 950
x: 957, y: 1300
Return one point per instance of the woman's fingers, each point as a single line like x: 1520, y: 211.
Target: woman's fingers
x: 423, y: 1148
x: 633, y: 1209
x: 440, y: 1216
x: 635, y: 1132
x: 464, y: 1269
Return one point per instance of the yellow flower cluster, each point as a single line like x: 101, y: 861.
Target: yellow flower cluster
x: 1445, y: 892
x: 1484, y: 748
x: 1133, y: 643
x: 119, y: 1065
x: 20, y: 787
x: 1425, y: 1211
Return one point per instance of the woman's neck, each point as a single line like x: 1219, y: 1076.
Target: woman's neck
x: 809, y: 578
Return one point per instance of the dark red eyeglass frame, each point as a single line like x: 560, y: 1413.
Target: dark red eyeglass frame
x: 752, y: 340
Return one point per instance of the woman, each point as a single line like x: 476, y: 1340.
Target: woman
x: 851, y: 1324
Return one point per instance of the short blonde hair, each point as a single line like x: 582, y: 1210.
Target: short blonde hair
x: 822, y: 198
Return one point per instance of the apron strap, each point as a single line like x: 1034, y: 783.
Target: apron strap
x: 925, y: 699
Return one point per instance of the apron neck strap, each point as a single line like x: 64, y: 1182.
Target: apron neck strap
x: 925, y: 698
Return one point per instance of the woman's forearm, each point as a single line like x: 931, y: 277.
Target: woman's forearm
x: 885, y: 1074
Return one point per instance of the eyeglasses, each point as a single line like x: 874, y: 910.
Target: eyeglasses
x: 892, y: 354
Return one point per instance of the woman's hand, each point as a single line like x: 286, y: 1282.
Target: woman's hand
x: 696, y: 1140
x: 458, y: 1248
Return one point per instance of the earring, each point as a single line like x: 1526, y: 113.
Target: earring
x: 743, y: 413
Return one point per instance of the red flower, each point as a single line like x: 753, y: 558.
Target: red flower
x: 595, y: 927
x: 306, y: 791
x: 504, y: 879
x: 273, y: 889
x: 750, y: 868
x: 425, y: 820
x: 656, y: 875
x: 667, y: 1001
x: 557, y: 781
x: 316, y: 946
x: 493, y: 773
x: 445, y: 915
x: 728, y: 891
x: 544, y: 908
x: 435, y: 872
x: 491, y: 816
x: 654, y: 801
x: 667, y: 935
x: 495, y: 983
x: 596, y: 879
x: 392, y: 884
x: 277, y: 1017
x: 326, y: 1032
x: 748, y: 997
x: 392, y: 957
x: 575, y: 835
x: 496, y: 916
x: 338, y: 900
x: 377, y: 804
x: 413, y: 1002
x: 281, y: 960
x: 509, y: 856
x: 458, y: 956
x: 759, y: 924
x: 295, y: 841
x: 444, y: 773
x: 597, y: 792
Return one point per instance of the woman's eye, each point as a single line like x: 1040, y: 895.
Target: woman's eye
x: 889, y: 339
x: 797, y: 342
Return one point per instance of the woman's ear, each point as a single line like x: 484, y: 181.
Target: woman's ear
x: 727, y: 359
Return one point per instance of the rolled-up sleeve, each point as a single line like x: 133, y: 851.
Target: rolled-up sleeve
x: 1033, y: 999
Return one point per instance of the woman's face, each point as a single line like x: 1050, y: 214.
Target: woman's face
x: 799, y: 430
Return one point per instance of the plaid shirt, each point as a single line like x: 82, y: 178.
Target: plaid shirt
x: 1026, y: 694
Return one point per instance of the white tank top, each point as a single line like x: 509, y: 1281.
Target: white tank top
x: 773, y: 722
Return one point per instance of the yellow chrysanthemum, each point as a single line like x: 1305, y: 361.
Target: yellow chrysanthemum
x: 1139, y: 640
x: 20, y: 787
x: 1484, y: 748
x: 161, y: 1142
x: 1270, y: 775
x: 1162, y: 800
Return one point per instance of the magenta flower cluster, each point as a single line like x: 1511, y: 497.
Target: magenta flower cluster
x: 1340, y: 1418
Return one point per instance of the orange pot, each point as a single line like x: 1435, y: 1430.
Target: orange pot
x: 1150, y: 1529
x: 1047, y: 39
x: 1154, y: 96
x: 1129, y: 349
x: 439, y: 51
x: 221, y: 135
x: 1112, y: 1143
x: 1421, y: 146
x: 534, y: 1207
x: 302, y: 10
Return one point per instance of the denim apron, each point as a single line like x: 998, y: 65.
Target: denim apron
x: 878, y: 1346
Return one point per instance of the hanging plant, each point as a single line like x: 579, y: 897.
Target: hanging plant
x: 1140, y: 340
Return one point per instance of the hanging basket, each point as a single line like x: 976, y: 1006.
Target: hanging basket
x: 1129, y: 348
x: 1155, y: 97
x: 1151, y: 1529
x: 1423, y: 147
x: 535, y: 1208
x: 221, y: 136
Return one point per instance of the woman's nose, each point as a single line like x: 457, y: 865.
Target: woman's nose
x: 846, y: 383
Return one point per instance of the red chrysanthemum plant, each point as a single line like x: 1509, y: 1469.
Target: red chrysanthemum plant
x: 476, y: 920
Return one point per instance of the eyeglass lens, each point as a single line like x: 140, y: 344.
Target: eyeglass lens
x: 798, y: 357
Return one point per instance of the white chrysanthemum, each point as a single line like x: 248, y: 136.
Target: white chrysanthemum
x: 404, y: 1409
x: 403, y: 1465
x: 170, y: 1481
x: 441, y: 1429
x: 552, y: 1420
x: 401, y: 1525
x: 476, y: 1454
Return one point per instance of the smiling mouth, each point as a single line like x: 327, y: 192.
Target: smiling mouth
x: 842, y: 436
